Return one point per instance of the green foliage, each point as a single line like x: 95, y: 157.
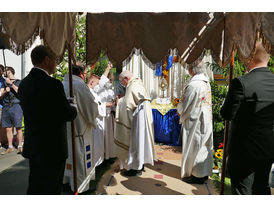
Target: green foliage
x: 271, y: 64
x: 217, y: 183
x: 61, y: 71
x: 218, y: 95
x: 81, y: 39
x: 100, y: 66
x: 23, y: 125
x: 187, y: 78
x: 238, y: 69
x: 62, y: 68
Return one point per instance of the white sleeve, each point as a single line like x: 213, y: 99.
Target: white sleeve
x: 102, y: 109
x: 103, y: 80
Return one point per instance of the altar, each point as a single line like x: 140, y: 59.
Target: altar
x: 166, y: 122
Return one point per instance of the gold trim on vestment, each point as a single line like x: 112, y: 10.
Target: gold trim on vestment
x: 120, y: 144
x: 122, y: 124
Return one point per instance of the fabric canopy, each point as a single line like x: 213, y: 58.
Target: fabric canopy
x: 19, y: 30
x: 241, y: 31
x: 155, y: 33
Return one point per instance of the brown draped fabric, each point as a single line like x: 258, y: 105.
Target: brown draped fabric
x: 155, y: 33
x: 211, y: 39
x: 241, y: 32
x: 19, y: 30
x: 268, y: 30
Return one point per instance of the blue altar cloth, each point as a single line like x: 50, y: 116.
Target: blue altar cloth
x: 166, y: 127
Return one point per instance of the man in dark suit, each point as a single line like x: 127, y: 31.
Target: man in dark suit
x: 46, y: 111
x: 250, y: 106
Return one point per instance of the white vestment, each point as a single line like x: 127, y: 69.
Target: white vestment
x: 98, y: 132
x: 197, y: 133
x: 107, y: 95
x: 85, y: 122
x: 134, y: 131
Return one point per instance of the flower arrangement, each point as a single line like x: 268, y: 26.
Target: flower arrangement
x: 175, y: 101
x: 218, y: 157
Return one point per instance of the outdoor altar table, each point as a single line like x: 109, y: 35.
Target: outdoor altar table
x: 166, y: 123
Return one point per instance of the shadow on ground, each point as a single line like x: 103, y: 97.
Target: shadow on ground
x: 14, y: 180
x: 148, y: 186
x: 166, y: 168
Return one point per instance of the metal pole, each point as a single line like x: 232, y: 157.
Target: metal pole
x: 72, y: 128
x: 23, y: 66
x: 4, y: 58
x: 226, y: 128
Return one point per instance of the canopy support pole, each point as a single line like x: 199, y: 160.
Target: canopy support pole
x: 5, y: 65
x: 226, y: 129
x: 72, y: 128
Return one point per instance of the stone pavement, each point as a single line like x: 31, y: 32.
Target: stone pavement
x: 13, y: 174
x: 161, y: 179
x: 9, y: 159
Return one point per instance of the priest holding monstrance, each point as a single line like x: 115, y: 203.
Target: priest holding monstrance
x: 134, y: 132
x: 195, y: 112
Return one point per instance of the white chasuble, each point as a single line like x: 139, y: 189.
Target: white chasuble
x: 98, y: 132
x: 130, y: 146
x: 85, y: 122
x: 197, y: 132
x: 107, y: 95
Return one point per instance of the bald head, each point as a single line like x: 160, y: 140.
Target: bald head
x: 124, y: 77
x: 261, y: 57
x: 126, y: 73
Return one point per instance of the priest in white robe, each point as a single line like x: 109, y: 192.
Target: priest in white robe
x: 107, y: 96
x: 134, y: 131
x: 85, y: 122
x: 96, y: 85
x: 195, y: 112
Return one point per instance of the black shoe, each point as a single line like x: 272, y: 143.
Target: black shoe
x: 111, y: 160
x: 131, y: 173
x: 143, y: 168
x: 195, y: 180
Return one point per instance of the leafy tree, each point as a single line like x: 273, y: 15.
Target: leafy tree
x: 100, y: 66
x: 62, y: 68
x: 238, y: 69
x: 218, y: 95
x: 271, y: 64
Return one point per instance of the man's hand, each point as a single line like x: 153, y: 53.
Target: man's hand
x: 7, y: 89
x: 107, y: 69
x: 109, y: 66
x: 109, y: 104
x: 116, y: 100
x: 71, y: 100
x: 8, y: 80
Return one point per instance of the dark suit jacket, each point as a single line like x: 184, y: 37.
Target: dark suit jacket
x: 46, y: 111
x: 250, y: 106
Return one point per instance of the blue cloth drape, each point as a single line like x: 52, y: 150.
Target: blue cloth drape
x: 169, y: 62
x: 158, y: 69
x: 166, y: 127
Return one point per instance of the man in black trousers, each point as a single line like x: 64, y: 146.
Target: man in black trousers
x: 46, y: 111
x: 250, y: 106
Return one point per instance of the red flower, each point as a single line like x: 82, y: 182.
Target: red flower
x: 221, y: 145
x: 203, y: 99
